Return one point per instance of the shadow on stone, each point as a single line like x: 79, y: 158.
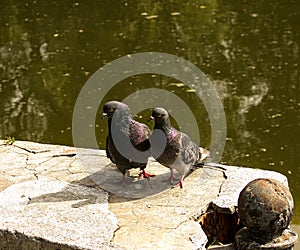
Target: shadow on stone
x: 67, y: 194
x: 16, y: 239
x: 50, y: 214
x: 109, y: 179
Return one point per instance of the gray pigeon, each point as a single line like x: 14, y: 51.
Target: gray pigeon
x: 180, y: 152
x: 131, y: 136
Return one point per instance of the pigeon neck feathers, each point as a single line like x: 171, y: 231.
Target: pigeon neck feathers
x: 166, y: 127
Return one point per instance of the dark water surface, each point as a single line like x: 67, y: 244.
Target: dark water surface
x: 248, y: 49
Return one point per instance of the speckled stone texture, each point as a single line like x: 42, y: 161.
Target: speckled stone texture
x: 60, y: 197
x: 265, y: 207
x: 60, y: 212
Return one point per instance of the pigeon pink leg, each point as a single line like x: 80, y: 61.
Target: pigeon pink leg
x: 180, y: 183
x: 172, y: 178
x: 144, y: 174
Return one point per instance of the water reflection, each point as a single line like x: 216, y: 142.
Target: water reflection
x: 22, y: 112
x: 250, y: 51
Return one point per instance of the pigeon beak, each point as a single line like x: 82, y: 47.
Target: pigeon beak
x: 151, y: 118
x: 104, y: 115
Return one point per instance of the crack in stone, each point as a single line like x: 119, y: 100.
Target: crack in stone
x: 64, y: 155
x: 45, y: 151
x: 114, y: 233
x: 175, y: 227
x: 219, y: 168
x: 34, y: 166
x: 36, y: 175
x: 26, y: 164
x: 31, y: 151
x: 220, y: 188
x: 54, y: 156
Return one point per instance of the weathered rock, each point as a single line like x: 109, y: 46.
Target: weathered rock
x: 166, y: 220
x: 265, y: 207
x: 64, y: 183
x: 246, y: 241
x: 60, y: 213
x: 220, y: 219
x: 149, y: 213
x: 237, y: 179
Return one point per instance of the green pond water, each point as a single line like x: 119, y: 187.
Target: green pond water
x: 249, y: 50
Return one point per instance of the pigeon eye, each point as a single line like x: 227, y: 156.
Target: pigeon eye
x: 159, y: 115
x: 111, y: 110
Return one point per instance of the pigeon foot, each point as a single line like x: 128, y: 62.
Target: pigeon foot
x: 144, y: 174
x: 180, y: 184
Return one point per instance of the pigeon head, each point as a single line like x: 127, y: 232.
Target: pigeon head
x: 110, y: 108
x: 161, y: 117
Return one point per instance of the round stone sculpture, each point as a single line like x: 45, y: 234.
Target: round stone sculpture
x: 265, y: 207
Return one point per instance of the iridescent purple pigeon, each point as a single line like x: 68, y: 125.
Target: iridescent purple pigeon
x: 180, y: 152
x: 123, y: 129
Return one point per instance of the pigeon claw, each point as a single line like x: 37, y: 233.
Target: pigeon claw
x: 180, y: 184
x: 144, y: 174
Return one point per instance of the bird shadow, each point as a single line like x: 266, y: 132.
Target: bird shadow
x: 104, y: 178
x: 91, y: 188
x: 78, y: 195
x: 109, y: 179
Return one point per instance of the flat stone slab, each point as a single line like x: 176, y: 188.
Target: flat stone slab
x: 60, y: 212
x: 60, y: 197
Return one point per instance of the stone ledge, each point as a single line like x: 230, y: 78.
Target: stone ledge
x: 60, y: 213
x: 59, y: 197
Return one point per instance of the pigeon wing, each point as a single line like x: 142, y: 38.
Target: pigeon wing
x: 139, y: 135
x: 189, y: 151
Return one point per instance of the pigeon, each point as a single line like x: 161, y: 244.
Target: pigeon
x: 180, y: 152
x: 126, y: 130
